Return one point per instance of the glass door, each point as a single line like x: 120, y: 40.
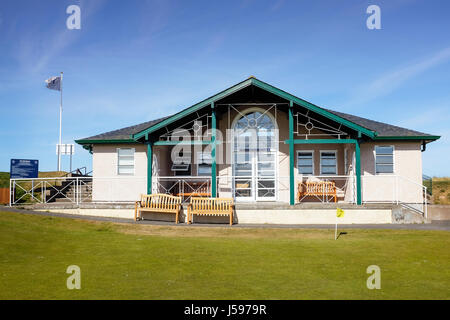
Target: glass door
x: 254, y: 158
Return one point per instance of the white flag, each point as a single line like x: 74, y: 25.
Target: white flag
x: 54, y: 83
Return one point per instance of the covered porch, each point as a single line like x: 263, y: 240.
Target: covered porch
x: 256, y: 143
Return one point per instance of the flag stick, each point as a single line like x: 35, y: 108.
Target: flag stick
x: 335, y: 230
x: 60, y: 124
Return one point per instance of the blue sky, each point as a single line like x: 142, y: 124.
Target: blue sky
x: 134, y: 61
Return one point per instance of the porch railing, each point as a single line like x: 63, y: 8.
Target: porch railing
x: 375, y: 189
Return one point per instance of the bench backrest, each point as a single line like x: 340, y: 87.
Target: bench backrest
x: 160, y: 201
x: 321, y: 187
x: 211, y: 204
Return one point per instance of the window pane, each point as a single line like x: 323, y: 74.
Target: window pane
x: 126, y: 152
x: 305, y: 154
x: 305, y: 162
x: 329, y: 170
x: 328, y: 155
x: 384, y: 159
x: 126, y: 161
x: 305, y: 170
x: 126, y: 169
x: 328, y: 162
x: 384, y: 168
x: 204, y: 169
x: 384, y: 150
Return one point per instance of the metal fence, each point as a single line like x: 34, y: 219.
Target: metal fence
x: 76, y: 190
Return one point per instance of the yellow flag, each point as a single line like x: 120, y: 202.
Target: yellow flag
x: 339, y: 213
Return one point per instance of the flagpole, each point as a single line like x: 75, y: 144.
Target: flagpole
x: 335, y: 229
x: 60, y: 124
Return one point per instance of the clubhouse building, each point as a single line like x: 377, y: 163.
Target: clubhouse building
x: 261, y: 146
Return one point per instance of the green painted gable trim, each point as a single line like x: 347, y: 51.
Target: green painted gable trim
x: 193, y: 108
x: 264, y: 86
x: 312, y: 107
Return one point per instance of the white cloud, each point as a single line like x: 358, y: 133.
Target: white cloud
x: 390, y: 81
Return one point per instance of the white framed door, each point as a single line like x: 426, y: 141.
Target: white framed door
x: 254, y: 158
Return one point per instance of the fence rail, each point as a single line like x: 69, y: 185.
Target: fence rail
x: 77, y: 190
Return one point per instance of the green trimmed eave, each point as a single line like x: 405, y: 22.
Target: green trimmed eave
x: 88, y: 143
x: 100, y: 141
x: 264, y: 86
x: 88, y: 147
x: 407, y: 138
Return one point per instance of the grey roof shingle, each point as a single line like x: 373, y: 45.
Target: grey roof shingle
x: 383, y: 129
x: 124, y: 133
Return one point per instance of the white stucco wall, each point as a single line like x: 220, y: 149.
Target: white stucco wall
x: 407, y: 166
x: 107, y: 184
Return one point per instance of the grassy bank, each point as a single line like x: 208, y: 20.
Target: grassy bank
x: 127, y: 261
x: 441, y: 190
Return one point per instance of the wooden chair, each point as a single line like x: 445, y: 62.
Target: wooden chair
x: 317, y: 188
x: 210, y: 207
x: 162, y: 203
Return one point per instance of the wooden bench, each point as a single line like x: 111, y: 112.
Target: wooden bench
x: 316, y: 188
x: 210, y: 207
x: 163, y: 203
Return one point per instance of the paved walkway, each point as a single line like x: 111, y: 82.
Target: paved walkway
x: 435, y: 225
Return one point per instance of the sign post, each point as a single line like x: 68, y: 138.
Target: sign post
x: 64, y: 150
x: 339, y: 214
x: 22, y: 169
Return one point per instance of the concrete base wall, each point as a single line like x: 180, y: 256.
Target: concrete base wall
x: 438, y: 212
x: 300, y: 216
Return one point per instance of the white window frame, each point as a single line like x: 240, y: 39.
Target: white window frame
x: 336, y: 154
x: 313, y: 167
x: 200, y: 156
x: 375, y: 159
x: 118, y: 164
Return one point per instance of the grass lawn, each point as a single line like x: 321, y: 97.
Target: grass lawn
x: 127, y: 261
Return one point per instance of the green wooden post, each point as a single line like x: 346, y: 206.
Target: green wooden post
x: 213, y: 152
x: 149, y: 167
x: 291, y: 155
x: 358, y: 172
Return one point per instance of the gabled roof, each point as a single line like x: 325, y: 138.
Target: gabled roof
x: 264, y: 86
x: 384, y: 130
x: 120, y: 135
x: 373, y: 129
